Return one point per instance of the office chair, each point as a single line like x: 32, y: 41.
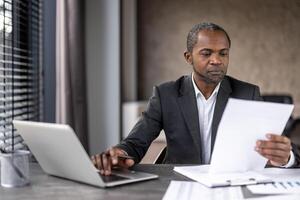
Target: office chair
x: 161, y: 156
x: 292, y: 128
x: 281, y: 98
x: 294, y: 134
x: 287, y: 99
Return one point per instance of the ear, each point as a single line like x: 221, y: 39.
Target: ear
x: 188, y: 57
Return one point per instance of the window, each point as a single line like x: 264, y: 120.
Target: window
x: 20, y: 67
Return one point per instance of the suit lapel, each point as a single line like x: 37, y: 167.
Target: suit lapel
x: 188, y: 105
x: 222, y: 98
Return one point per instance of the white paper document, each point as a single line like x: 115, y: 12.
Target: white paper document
x: 194, y: 191
x: 278, y: 187
x: 286, y: 181
x: 201, y: 174
x: 242, y: 124
x: 277, y: 197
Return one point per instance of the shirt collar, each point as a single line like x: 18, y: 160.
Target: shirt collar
x: 198, y: 92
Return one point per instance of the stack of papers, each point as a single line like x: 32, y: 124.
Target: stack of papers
x: 194, y: 191
x: 280, y: 187
x: 285, y: 187
x: 286, y: 181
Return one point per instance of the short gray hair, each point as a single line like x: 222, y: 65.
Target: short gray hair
x: 192, y: 37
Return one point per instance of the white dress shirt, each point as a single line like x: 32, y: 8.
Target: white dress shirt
x: 291, y: 161
x: 206, y: 109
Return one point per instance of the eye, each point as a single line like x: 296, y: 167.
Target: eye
x: 205, y: 53
x: 223, y: 53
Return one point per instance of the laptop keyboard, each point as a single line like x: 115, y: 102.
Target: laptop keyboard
x: 112, y: 178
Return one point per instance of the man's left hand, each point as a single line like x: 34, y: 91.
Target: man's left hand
x: 276, y: 149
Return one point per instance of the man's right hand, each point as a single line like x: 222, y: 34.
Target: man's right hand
x: 110, y: 159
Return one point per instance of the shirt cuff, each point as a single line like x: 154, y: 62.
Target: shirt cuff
x: 291, y: 161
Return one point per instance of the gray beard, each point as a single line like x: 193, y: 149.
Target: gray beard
x: 209, y: 80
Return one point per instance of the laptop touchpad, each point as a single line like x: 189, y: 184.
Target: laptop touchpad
x: 112, y: 178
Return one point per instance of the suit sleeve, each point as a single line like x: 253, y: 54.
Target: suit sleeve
x: 145, y: 130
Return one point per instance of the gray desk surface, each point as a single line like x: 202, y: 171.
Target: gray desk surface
x: 48, y: 187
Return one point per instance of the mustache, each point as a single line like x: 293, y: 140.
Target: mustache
x: 216, y: 71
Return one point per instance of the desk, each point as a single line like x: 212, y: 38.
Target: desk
x: 49, y: 187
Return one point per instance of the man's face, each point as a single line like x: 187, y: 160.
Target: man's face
x: 210, y: 56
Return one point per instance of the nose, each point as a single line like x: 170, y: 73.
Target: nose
x: 215, y: 59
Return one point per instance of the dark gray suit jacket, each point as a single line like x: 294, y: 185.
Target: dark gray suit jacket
x: 173, y: 108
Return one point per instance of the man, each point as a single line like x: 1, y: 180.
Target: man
x: 189, y: 110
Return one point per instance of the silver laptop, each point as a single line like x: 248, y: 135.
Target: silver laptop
x: 59, y: 153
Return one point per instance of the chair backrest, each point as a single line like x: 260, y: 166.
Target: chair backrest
x: 282, y: 98
x: 278, y: 98
x: 294, y: 134
x: 161, y: 156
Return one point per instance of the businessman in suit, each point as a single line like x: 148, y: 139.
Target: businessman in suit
x: 189, y: 110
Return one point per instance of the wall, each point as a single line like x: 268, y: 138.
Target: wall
x: 129, y: 50
x: 265, y: 41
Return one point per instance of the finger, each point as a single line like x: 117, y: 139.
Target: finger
x: 109, y: 164
x: 111, y: 152
x: 129, y: 162
x: 126, y: 163
x: 276, y: 158
x: 105, y: 163
x: 93, y: 159
x: 113, y: 156
x: 278, y: 138
x: 273, y: 145
x: 99, y: 163
x: 274, y: 152
x: 276, y: 161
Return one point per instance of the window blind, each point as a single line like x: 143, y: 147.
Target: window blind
x: 20, y: 67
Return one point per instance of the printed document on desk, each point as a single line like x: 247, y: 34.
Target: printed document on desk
x: 286, y: 181
x: 242, y: 124
x: 189, y: 190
